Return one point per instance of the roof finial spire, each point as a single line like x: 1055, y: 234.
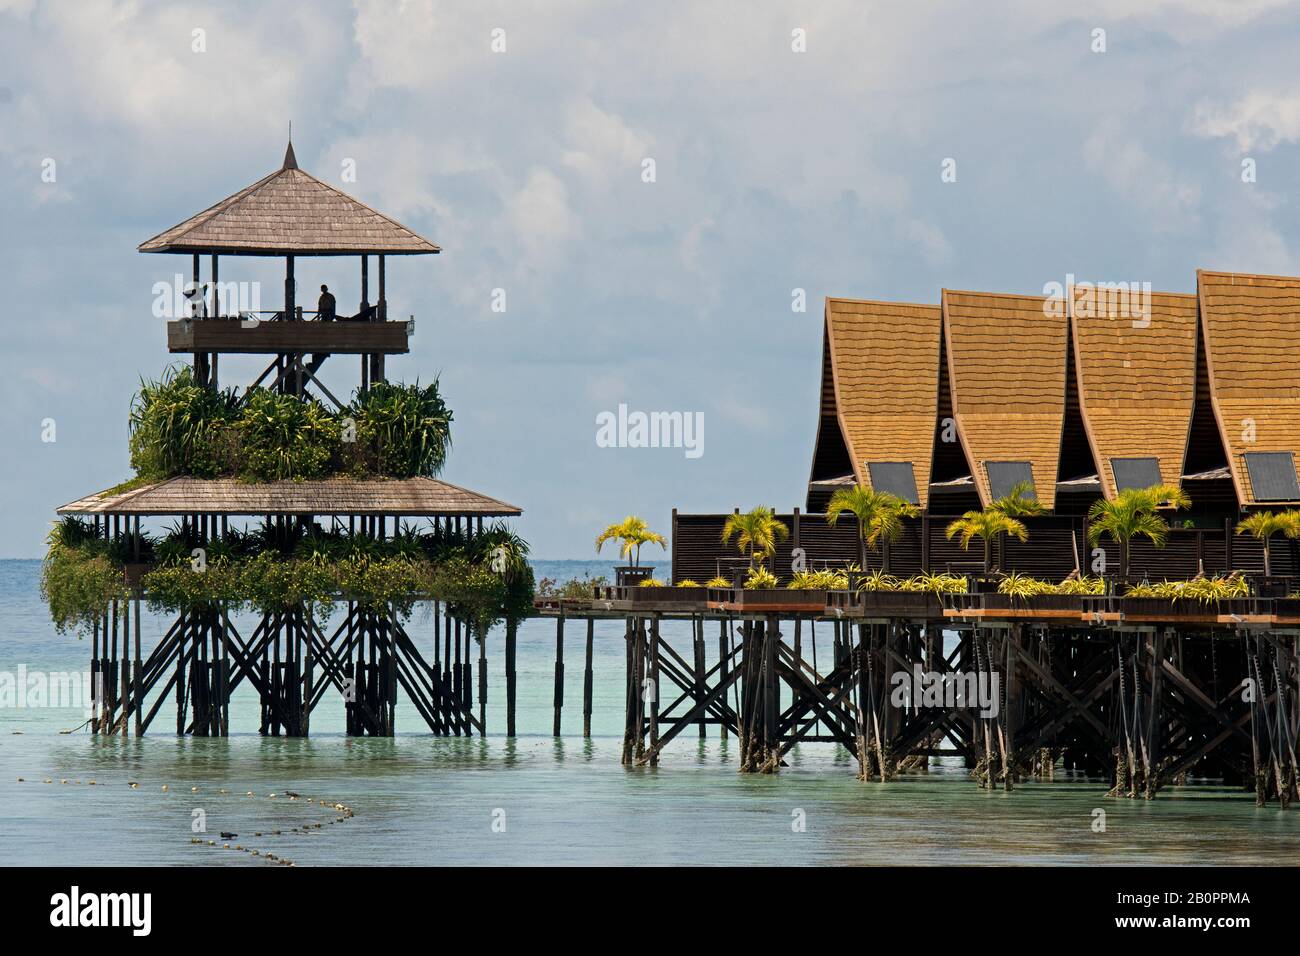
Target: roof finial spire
x: 290, y: 160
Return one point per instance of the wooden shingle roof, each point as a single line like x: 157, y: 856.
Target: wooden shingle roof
x: 290, y: 212
x: 1251, y: 325
x: 885, y: 366
x: 416, y: 497
x: 1137, y: 381
x: 1007, y: 367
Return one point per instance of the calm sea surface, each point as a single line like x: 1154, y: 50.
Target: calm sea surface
x: 533, y: 799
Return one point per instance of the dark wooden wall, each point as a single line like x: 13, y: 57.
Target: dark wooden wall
x: 698, y: 551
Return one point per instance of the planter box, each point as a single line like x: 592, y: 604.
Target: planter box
x: 664, y: 595
x: 1037, y: 602
x: 627, y: 575
x: 1274, y: 587
x: 774, y: 599
x: 841, y: 600
x: 1155, y: 610
x: 996, y: 606
x: 898, y: 604
x: 1286, y: 610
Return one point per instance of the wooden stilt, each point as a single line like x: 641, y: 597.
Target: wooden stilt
x: 512, y: 628
x: 652, y: 690
x: 482, y: 680
x: 559, y: 674
x: 587, y: 679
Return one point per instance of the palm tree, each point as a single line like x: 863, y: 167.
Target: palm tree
x: 756, y: 533
x: 880, y: 517
x: 988, y: 525
x: 1132, y: 513
x: 1264, y: 524
x: 1019, y: 502
x: 633, y: 532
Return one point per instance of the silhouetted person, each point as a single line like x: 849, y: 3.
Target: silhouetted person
x: 326, y: 305
x: 198, y: 302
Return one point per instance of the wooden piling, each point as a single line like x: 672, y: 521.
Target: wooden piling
x: 482, y: 680
x: 512, y: 630
x: 559, y: 674
x: 697, y: 644
x: 587, y: 679
x: 724, y: 667
x: 652, y: 690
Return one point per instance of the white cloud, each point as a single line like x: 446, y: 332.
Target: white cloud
x: 1168, y: 196
x: 600, y: 145
x: 1258, y: 121
x: 540, y: 218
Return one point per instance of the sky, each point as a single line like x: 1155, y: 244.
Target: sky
x: 662, y: 196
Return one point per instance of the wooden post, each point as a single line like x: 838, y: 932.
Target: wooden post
x: 482, y: 680
x: 448, y: 679
x: 200, y: 358
x: 587, y: 681
x: 771, y: 691
x: 308, y: 689
x: 512, y: 627
x: 124, y: 611
x: 96, y: 677
x: 290, y: 290
x: 383, y: 298
x: 653, y: 690
x: 559, y: 673
x: 225, y: 673
x: 136, y: 669
x: 639, y: 687
x: 672, y: 554
x: 628, y: 691
x: 180, y: 674
x: 365, y: 283
x: 1011, y: 718
x: 724, y: 667
x: 697, y: 642
x: 458, y: 683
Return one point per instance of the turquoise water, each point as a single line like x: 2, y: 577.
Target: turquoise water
x: 534, y: 799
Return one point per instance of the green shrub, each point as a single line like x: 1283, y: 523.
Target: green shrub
x: 79, y: 580
x: 274, y: 568
x: 403, y: 431
x: 286, y: 437
x: 826, y: 580
x: 1084, y: 586
x: 935, y: 584
x: 760, y: 579
x: 575, y: 588
x: 179, y: 427
x: 879, y: 581
x: 1202, y: 590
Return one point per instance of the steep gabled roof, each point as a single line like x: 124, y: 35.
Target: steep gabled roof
x: 1137, y: 380
x: 884, y: 358
x: 1007, y: 364
x: 1251, y: 326
x: 290, y: 212
x: 329, y: 496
